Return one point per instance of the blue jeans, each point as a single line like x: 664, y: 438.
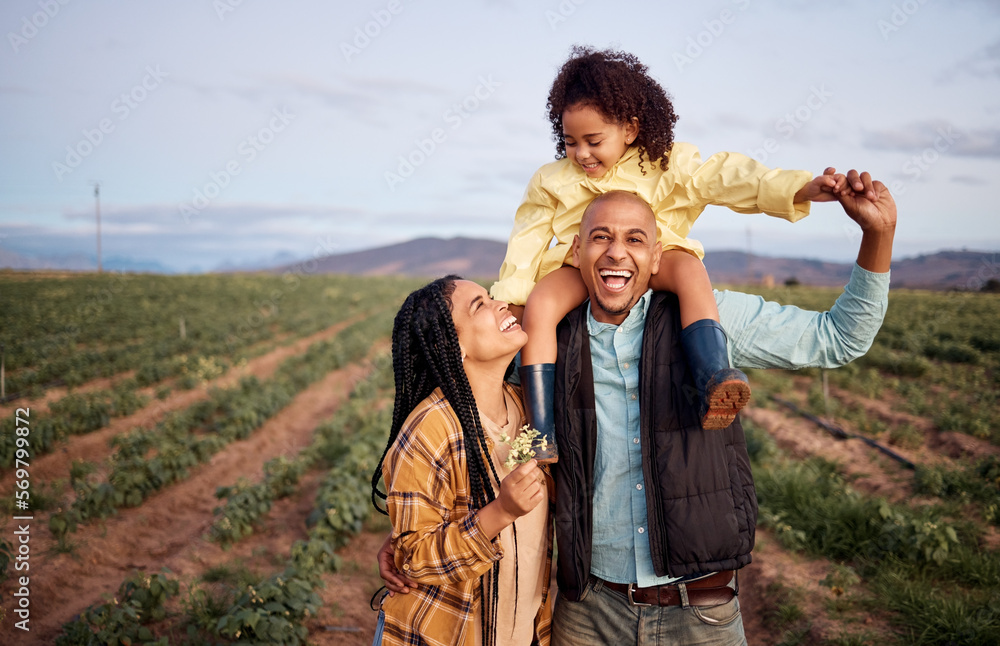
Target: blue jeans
x: 603, y: 616
x: 379, y: 627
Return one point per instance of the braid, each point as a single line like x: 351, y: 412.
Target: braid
x: 426, y: 355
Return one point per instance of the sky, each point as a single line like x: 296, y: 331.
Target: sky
x: 248, y: 131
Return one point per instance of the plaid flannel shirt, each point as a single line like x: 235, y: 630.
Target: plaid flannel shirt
x: 438, y: 541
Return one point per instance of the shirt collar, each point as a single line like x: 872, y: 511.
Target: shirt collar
x: 636, y: 317
x: 611, y: 179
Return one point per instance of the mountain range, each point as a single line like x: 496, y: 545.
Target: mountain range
x: 477, y: 258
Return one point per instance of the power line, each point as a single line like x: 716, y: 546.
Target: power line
x: 97, y: 200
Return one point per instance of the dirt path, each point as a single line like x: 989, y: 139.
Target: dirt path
x: 872, y: 472
x: 93, y: 447
x: 58, y: 392
x: 103, y: 383
x: 167, y: 529
x: 346, y: 618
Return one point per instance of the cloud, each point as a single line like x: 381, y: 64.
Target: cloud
x: 970, y: 180
x: 938, y: 135
x: 366, y: 99
x: 216, y: 215
x: 235, y: 233
x: 7, y: 90
x: 360, y: 98
x: 983, y: 64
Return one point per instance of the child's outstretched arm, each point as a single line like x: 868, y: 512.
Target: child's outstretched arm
x: 767, y: 335
x: 823, y: 188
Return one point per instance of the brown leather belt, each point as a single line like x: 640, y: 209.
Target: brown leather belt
x: 712, y: 590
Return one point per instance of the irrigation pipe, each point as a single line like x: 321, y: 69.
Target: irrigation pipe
x: 841, y: 434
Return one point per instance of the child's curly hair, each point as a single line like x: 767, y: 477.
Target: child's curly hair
x: 617, y: 85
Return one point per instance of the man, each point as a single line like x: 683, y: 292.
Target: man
x: 653, y: 514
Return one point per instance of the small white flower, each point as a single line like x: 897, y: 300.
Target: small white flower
x: 522, y: 448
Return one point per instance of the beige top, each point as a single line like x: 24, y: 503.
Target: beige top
x: 517, y: 629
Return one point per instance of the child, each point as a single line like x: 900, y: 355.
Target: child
x: 613, y: 126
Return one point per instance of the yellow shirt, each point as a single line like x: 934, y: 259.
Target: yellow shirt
x: 559, y: 192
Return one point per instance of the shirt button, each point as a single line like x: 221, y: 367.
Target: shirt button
x: 626, y: 365
x: 642, y: 530
x: 639, y: 487
x: 633, y: 396
x: 635, y: 440
x: 406, y: 566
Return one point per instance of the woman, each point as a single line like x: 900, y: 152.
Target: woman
x: 474, y: 535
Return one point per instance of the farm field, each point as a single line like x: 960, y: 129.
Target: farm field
x: 197, y: 452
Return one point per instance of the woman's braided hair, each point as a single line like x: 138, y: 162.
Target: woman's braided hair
x: 617, y: 85
x: 426, y: 355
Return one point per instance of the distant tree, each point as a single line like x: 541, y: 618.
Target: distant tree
x: 792, y: 282
x: 992, y: 286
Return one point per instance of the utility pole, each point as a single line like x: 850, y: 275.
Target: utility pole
x: 750, y: 279
x: 97, y: 199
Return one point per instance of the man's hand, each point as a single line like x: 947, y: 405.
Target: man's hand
x: 394, y: 580
x: 823, y: 188
x: 860, y: 184
x: 869, y: 203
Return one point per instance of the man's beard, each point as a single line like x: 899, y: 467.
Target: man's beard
x: 608, y: 309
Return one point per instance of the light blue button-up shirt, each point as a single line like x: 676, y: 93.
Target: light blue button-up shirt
x: 620, y: 548
x: 762, y: 334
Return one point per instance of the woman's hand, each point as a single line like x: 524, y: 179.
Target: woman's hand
x: 520, y: 492
x: 394, y: 580
x: 522, y: 489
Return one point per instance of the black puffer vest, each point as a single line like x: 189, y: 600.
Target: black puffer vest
x: 700, y: 494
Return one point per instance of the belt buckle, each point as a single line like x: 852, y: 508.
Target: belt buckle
x: 631, y: 586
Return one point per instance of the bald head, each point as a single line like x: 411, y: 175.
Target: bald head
x: 610, y: 200
x: 616, y: 251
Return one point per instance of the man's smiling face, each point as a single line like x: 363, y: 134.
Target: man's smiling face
x: 616, y: 252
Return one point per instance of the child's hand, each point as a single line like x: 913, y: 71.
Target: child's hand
x: 522, y: 489
x: 823, y: 188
